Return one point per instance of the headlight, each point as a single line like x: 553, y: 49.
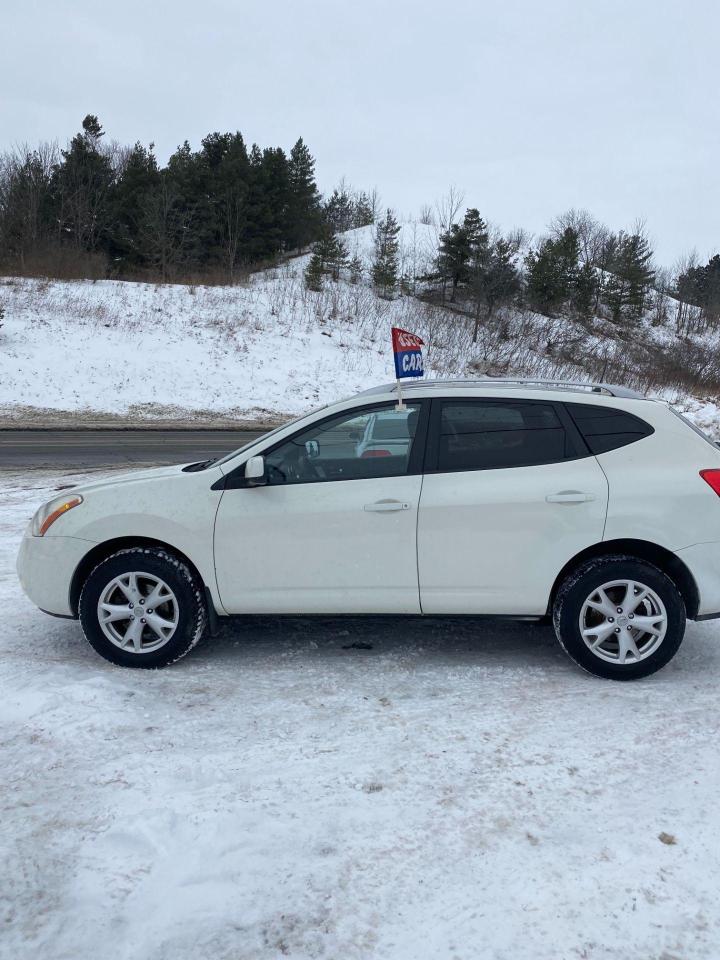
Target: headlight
x: 49, y: 512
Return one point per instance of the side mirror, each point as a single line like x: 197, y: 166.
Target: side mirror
x: 312, y: 449
x: 255, y: 471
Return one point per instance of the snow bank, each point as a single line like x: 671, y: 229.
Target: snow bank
x: 260, y: 351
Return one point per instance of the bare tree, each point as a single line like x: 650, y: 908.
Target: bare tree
x: 519, y: 240
x: 687, y: 315
x: 25, y: 176
x: 448, y: 207
x: 427, y: 215
x: 592, y: 235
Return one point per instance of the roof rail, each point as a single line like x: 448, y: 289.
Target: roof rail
x: 608, y: 389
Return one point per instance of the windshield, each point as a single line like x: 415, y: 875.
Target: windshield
x: 265, y: 436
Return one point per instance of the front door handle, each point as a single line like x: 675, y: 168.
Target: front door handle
x: 570, y: 496
x: 386, y: 506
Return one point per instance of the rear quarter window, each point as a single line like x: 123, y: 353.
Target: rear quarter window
x: 605, y: 428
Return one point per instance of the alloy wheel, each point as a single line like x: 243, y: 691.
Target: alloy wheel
x: 623, y: 621
x: 138, y: 612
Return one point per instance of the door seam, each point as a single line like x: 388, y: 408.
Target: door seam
x: 607, y: 500
x: 417, y: 545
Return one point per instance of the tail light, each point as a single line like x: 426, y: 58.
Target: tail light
x: 712, y: 477
x: 383, y: 453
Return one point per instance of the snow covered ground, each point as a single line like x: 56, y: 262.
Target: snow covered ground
x: 459, y: 791
x: 263, y: 350
x: 260, y: 350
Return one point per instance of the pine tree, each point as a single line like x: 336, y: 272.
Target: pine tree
x: 385, y: 265
x: 81, y: 185
x: 458, y: 246
x: 552, y: 272
x: 329, y: 257
x: 356, y: 269
x: 495, y: 279
x: 314, y: 273
x: 225, y: 170
x: 364, y: 212
x: 630, y: 274
x: 303, y: 200
x: 585, y: 289
x: 129, y: 198
x: 339, y: 211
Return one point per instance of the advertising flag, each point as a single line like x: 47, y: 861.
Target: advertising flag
x: 407, y: 349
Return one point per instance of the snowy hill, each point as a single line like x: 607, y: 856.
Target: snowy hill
x: 269, y: 348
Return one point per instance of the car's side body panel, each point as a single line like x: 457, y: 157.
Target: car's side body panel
x: 165, y: 505
x: 656, y: 491
x: 489, y: 542
x: 319, y: 547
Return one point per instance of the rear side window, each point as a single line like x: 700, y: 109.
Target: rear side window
x: 490, y: 434
x: 604, y: 428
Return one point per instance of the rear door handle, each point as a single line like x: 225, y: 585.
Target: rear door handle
x: 570, y: 496
x: 386, y: 506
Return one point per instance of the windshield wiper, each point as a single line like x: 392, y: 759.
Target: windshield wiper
x: 201, y: 465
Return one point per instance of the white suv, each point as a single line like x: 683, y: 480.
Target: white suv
x: 585, y: 503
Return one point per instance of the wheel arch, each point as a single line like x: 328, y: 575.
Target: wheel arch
x: 661, y: 557
x: 102, y: 551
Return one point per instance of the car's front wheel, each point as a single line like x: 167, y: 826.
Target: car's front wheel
x: 619, y: 617
x: 142, y: 607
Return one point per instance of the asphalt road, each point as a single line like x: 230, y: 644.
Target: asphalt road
x: 68, y: 449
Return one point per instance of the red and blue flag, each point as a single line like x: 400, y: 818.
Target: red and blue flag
x: 407, y: 349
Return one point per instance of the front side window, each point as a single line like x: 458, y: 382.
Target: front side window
x: 355, y: 445
x: 492, y: 434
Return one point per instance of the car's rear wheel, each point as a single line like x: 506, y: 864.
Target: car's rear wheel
x: 619, y: 617
x: 142, y: 607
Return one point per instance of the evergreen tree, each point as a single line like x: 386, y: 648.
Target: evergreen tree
x: 208, y: 209
x: 364, y: 212
x: 585, y: 290
x: 552, y: 272
x: 494, y: 279
x: 356, y: 269
x: 267, y: 203
x: 459, y: 246
x: 165, y: 229
x: 339, y: 211
x: 225, y: 168
x: 329, y: 257
x: 700, y: 287
x: 628, y: 261
x: 453, y: 257
x: 385, y: 264
x: 138, y: 178
x: 303, y: 200
x: 181, y: 206
x: 81, y: 185
x: 314, y: 272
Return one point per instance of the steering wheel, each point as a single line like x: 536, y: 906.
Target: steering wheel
x: 295, y: 467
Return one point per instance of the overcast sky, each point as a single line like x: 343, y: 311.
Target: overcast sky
x: 530, y: 106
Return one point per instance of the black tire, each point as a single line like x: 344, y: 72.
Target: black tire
x: 182, y: 581
x: 581, y: 583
